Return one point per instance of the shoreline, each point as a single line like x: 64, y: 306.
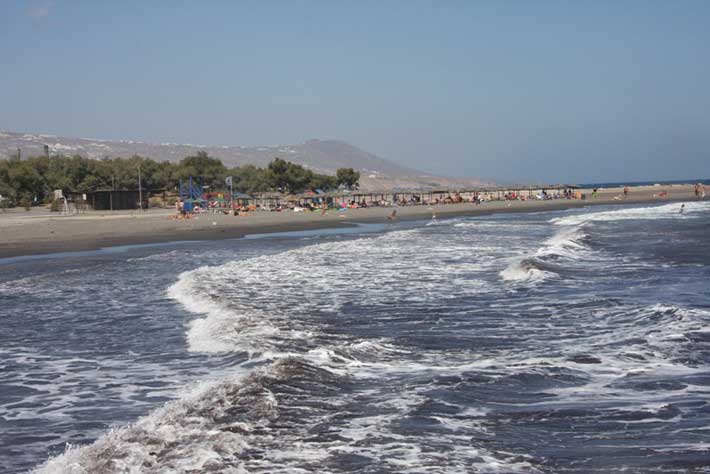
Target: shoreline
x: 22, y: 234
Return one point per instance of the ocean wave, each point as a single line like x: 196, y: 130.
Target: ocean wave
x: 292, y: 416
x: 527, y: 270
x: 566, y: 245
x: 204, y: 430
x: 267, y: 302
x: 157, y: 256
x: 405, y: 353
x: 225, y: 327
x: 666, y: 211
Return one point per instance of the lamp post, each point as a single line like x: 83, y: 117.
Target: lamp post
x: 140, y: 189
x: 228, y: 181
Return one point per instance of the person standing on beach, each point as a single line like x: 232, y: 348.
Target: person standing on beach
x: 626, y: 191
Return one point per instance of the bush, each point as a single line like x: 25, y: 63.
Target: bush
x: 26, y: 202
x: 56, y: 205
x: 8, y: 196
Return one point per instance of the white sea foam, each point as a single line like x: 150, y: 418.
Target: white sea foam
x: 217, y: 425
x: 183, y: 436
x: 264, y: 302
x: 666, y: 211
x: 518, y: 272
x: 276, y: 306
x: 566, y: 244
x: 223, y: 328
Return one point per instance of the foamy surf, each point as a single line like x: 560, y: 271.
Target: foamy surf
x: 526, y: 270
x: 265, y: 302
x: 404, y: 352
x: 205, y: 430
x: 666, y: 211
x: 223, y: 327
x: 563, y: 250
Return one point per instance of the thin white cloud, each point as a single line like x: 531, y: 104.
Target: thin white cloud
x: 40, y: 10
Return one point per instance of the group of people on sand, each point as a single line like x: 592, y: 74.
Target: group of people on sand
x: 180, y: 211
x: 700, y: 191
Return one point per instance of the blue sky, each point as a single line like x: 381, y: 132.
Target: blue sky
x: 549, y: 91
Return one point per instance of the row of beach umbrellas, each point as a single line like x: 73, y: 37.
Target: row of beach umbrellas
x: 218, y: 199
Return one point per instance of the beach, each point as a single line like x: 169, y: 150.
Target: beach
x: 39, y: 232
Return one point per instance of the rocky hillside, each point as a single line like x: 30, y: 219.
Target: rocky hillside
x: 324, y: 156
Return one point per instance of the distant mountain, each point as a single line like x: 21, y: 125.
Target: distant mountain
x: 323, y: 156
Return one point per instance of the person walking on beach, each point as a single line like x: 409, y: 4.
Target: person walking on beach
x: 626, y: 191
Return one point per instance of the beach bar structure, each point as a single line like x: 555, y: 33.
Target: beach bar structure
x: 112, y: 200
x: 341, y: 198
x: 440, y: 196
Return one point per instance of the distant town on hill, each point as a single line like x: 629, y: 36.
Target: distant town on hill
x: 321, y: 156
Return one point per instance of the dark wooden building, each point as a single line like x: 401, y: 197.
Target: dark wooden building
x: 116, y: 200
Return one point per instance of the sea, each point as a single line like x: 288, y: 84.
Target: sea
x: 573, y: 341
x: 600, y: 185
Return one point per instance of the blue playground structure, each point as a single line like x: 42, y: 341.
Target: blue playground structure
x: 191, y: 193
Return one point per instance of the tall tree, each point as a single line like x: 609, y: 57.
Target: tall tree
x: 201, y: 165
x: 348, y: 177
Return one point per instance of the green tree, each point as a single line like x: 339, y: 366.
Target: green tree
x: 348, y: 177
x: 250, y: 179
x: 201, y: 165
x: 323, y: 182
x: 24, y: 179
x: 277, y: 175
x: 38, y: 177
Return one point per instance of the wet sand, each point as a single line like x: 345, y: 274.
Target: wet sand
x: 39, y: 232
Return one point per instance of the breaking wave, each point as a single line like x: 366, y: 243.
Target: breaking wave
x: 557, y: 253
x: 213, y: 428
x: 293, y: 413
x: 528, y: 269
x: 266, y: 302
x: 666, y: 211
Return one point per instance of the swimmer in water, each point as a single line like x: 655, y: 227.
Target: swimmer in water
x: 682, y: 208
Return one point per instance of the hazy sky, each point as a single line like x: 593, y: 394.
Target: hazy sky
x: 555, y: 91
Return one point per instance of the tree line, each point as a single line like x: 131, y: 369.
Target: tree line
x: 32, y: 181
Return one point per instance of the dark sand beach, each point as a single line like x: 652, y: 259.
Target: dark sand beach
x: 32, y: 233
